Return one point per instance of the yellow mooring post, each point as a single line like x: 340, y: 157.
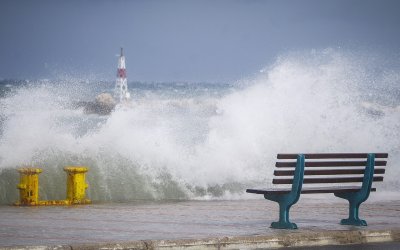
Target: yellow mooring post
x: 28, y: 186
x: 76, y: 185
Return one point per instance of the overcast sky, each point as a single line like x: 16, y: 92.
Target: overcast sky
x: 183, y: 40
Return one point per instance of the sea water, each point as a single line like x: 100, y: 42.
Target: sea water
x: 199, y: 141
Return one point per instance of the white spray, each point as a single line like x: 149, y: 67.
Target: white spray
x: 205, y: 146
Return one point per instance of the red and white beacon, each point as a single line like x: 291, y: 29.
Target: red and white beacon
x: 121, y: 84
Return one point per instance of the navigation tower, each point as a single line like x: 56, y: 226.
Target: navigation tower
x: 121, y: 84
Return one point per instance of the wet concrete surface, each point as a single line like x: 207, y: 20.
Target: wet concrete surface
x: 123, y: 222
x: 368, y: 246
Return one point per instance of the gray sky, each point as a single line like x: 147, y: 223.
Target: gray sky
x: 183, y: 40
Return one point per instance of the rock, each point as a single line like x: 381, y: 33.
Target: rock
x: 104, y: 104
x: 105, y: 99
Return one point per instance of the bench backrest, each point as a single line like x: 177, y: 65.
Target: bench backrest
x: 333, y: 169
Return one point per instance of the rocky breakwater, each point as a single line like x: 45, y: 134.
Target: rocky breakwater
x: 103, y: 104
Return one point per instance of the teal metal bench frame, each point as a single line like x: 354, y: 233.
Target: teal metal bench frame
x: 356, y: 198
x: 286, y: 201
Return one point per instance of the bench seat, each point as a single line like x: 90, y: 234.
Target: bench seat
x: 308, y: 190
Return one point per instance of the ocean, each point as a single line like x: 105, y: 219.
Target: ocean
x: 199, y: 141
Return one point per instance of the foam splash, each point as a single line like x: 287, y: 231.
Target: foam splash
x: 205, y: 146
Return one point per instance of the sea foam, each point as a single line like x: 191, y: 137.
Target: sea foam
x: 212, y: 143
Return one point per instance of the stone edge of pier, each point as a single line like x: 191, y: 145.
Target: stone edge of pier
x: 284, y: 238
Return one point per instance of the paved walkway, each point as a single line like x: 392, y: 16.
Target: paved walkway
x: 111, y: 223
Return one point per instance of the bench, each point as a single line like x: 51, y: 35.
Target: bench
x: 348, y: 176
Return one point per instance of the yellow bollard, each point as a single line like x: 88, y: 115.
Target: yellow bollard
x: 28, y: 186
x: 76, y: 185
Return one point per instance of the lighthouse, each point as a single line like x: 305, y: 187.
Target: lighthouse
x: 121, y: 84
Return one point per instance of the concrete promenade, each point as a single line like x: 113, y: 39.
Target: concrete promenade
x: 241, y: 224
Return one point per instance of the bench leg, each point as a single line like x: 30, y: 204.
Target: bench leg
x: 286, y: 201
x: 353, y: 215
x: 355, y: 200
x: 283, y: 222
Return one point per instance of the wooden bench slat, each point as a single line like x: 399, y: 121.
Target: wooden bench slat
x: 331, y: 156
x: 329, y: 164
x: 308, y: 190
x: 326, y: 180
x: 328, y: 172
